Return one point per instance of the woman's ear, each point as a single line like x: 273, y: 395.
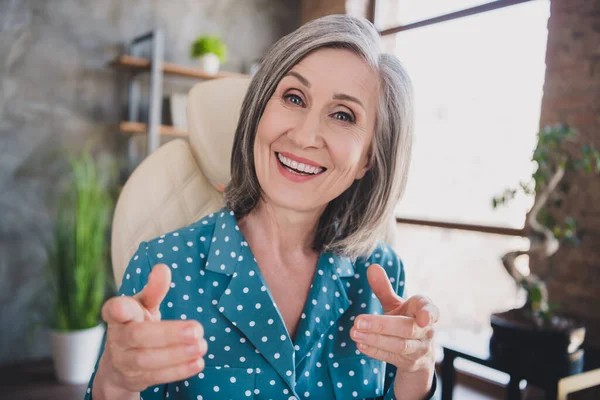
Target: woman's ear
x: 368, y: 164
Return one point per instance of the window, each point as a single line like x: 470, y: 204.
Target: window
x: 478, y: 85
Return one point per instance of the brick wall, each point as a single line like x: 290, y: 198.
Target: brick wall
x: 572, y: 95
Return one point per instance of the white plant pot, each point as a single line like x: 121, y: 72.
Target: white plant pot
x: 178, y: 103
x: 75, y: 353
x: 210, y: 63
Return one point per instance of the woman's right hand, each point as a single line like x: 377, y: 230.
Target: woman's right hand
x: 141, y: 350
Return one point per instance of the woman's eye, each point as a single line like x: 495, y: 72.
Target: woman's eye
x: 295, y: 99
x: 344, y: 117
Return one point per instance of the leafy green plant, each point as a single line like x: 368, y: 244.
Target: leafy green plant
x: 209, y: 44
x: 77, y: 254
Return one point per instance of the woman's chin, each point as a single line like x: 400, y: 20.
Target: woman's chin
x: 292, y: 200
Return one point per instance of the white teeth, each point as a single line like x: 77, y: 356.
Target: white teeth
x: 299, y: 166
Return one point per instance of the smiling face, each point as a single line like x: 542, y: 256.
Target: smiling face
x: 314, y: 136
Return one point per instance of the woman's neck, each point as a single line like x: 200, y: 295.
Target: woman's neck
x: 283, y: 233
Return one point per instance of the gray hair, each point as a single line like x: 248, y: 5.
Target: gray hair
x: 356, y: 220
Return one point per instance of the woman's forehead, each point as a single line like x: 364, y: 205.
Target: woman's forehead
x: 336, y: 70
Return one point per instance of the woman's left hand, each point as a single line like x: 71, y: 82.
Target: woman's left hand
x: 403, y: 335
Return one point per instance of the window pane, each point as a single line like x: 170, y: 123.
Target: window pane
x: 391, y: 13
x: 460, y: 271
x: 478, y: 87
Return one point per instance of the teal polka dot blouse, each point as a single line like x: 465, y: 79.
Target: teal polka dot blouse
x: 216, y: 280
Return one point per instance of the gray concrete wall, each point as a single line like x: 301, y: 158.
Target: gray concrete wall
x: 57, y: 92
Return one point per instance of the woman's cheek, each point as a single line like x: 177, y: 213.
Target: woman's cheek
x: 345, y: 150
x: 276, y: 121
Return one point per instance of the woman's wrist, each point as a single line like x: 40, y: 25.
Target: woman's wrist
x: 415, y: 385
x: 104, y: 389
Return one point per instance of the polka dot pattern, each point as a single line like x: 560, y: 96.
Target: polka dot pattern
x: 217, y: 282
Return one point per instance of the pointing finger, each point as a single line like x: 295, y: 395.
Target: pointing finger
x: 122, y: 309
x: 382, y: 288
x: 159, y: 281
x: 160, y: 333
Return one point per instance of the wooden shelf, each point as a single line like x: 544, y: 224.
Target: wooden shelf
x: 129, y: 127
x: 142, y: 64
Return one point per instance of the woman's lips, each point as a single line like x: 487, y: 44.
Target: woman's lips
x: 292, y: 176
x: 300, y: 159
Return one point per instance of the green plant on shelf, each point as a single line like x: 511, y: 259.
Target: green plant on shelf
x: 209, y: 44
x: 555, y: 154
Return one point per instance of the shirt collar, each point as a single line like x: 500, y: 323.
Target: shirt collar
x: 224, y: 250
x: 227, y: 235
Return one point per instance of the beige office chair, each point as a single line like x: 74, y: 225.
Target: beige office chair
x: 182, y: 181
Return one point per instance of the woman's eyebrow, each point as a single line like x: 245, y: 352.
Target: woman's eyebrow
x: 302, y: 79
x: 343, y: 96
x: 337, y: 96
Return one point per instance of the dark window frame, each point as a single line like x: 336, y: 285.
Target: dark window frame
x: 494, y: 5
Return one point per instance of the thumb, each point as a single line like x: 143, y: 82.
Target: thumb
x: 382, y: 287
x: 159, y: 282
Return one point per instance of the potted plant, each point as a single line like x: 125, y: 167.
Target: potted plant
x: 537, y: 331
x: 211, y: 51
x: 77, y: 271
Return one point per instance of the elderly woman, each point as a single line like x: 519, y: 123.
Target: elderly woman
x: 288, y: 291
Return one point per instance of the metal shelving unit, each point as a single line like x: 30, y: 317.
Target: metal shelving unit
x: 144, y: 54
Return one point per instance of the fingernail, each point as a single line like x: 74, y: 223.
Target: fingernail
x: 363, y: 324
x: 359, y: 335
x: 193, y: 348
x: 196, y: 363
x: 189, y: 333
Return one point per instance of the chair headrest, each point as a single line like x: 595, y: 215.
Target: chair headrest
x: 213, y: 111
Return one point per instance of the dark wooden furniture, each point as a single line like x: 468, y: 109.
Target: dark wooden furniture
x: 35, y: 380
x: 556, y: 382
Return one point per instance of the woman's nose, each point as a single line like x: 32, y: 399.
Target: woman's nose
x: 307, y: 134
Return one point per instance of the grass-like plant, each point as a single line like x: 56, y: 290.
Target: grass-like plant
x: 209, y: 44
x: 77, y: 254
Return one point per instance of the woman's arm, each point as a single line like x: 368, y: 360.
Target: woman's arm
x: 103, y: 390
x: 421, y: 385
x: 98, y: 388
